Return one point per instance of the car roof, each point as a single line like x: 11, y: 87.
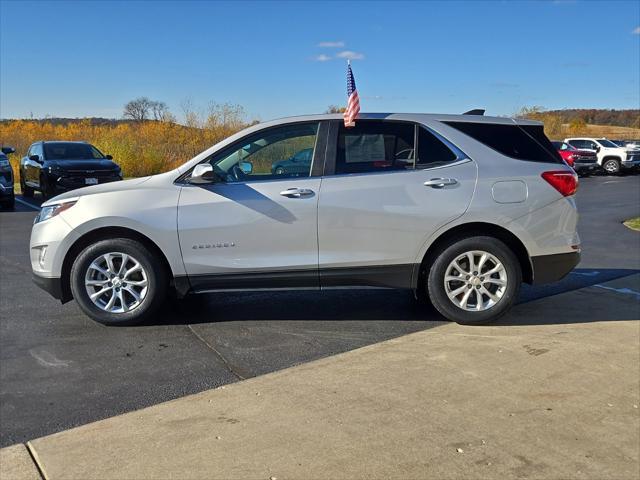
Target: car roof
x: 413, y: 117
x: 63, y: 141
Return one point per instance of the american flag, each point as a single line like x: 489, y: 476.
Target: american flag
x: 353, y: 101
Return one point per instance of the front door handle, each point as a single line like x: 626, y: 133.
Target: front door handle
x: 297, y: 192
x: 440, y: 182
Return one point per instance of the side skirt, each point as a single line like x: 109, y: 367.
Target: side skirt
x: 380, y: 276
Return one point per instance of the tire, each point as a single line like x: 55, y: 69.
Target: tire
x: 490, y: 309
x: 152, y: 274
x: 26, y: 191
x: 46, y: 188
x: 611, y: 166
x: 10, y: 204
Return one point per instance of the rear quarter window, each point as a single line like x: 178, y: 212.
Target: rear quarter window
x: 522, y: 142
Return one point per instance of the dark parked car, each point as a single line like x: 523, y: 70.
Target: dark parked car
x: 295, y: 165
x: 7, y: 197
x: 55, y: 167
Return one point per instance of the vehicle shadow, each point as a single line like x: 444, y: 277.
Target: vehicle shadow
x: 399, y: 306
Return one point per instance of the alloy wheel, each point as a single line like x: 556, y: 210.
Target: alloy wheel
x: 475, y: 281
x: 116, y: 282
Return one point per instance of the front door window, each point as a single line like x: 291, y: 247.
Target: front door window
x: 273, y: 154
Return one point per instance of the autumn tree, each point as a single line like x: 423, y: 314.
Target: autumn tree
x: 335, y: 109
x: 577, y: 126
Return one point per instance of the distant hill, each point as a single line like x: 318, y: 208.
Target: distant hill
x: 68, y: 121
x: 618, y: 118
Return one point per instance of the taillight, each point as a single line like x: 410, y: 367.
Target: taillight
x: 564, y: 182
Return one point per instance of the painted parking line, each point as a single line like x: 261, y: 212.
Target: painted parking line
x: 27, y: 204
x: 624, y: 291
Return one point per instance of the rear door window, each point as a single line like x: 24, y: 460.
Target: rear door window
x: 432, y: 152
x: 374, y: 146
x: 522, y: 142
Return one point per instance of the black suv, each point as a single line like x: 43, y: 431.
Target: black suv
x: 54, y: 167
x: 7, y: 198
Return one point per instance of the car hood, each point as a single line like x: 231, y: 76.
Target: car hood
x: 589, y: 153
x: 88, y: 164
x: 101, y: 188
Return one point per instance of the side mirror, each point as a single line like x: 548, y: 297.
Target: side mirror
x: 597, y: 149
x: 35, y: 158
x: 108, y: 157
x: 202, y: 173
x: 8, y: 150
x: 246, y: 167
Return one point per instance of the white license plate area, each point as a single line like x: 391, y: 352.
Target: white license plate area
x: 90, y: 181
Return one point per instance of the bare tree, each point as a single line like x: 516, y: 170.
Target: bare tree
x: 160, y: 112
x: 138, y: 109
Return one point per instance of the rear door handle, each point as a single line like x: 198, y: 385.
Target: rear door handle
x: 297, y: 192
x: 440, y: 182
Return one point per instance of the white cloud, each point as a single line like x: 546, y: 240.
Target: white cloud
x: 349, y: 55
x: 636, y: 31
x: 322, y: 58
x: 331, y: 44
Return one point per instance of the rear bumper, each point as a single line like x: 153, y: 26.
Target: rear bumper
x: 551, y: 268
x: 51, y: 285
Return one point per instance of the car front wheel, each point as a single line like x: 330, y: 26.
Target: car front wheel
x: 118, y: 282
x: 611, y: 166
x: 26, y: 191
x: 474, y: 280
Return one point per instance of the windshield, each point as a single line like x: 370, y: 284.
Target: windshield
x: 71, y: 151
x: 607, y: 143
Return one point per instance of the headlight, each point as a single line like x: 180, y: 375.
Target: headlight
x: 52, y: 210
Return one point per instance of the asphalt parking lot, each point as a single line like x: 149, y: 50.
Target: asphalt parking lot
x: 58, y: 369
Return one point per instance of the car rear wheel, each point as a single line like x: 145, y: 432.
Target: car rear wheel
x: 474, y: 280
x: 118, y: 282
x: 611, y: 166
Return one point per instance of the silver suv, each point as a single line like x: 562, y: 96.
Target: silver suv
x: 460, y: 209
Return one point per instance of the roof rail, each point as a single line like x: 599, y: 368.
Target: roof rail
x: 475, y: 111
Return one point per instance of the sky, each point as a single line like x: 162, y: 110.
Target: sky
x: 77, y: 59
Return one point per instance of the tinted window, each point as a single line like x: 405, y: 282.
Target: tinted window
x: 522, y: 142
x: 375, y: 147
x: 275, y: 153
x: 431, y: 151
x: 70, y: 151
x: 607, y: 143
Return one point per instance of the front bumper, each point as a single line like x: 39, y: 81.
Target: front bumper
x: 51, y: 285
x: 631, y: 163
x: 551, y: 268
x: 586, y: 167
x: 65, y: 184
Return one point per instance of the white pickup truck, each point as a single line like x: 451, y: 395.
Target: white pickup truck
x: 611, y: 157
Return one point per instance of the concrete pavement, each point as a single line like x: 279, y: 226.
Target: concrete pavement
x: 543, y: 399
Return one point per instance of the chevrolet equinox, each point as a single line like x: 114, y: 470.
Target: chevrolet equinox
x: 460, y: 209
